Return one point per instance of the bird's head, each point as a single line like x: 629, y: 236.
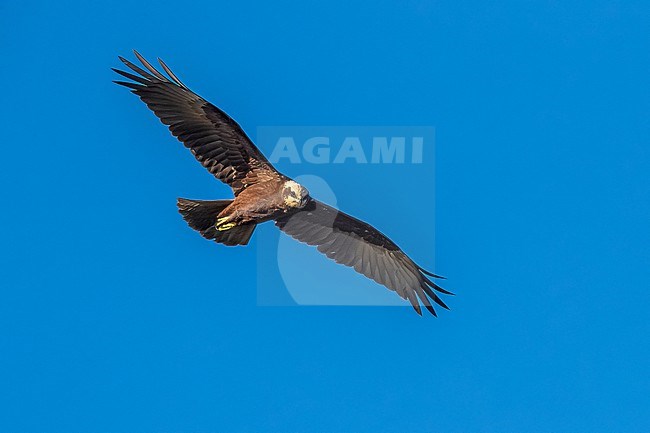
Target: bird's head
x: 294, y: 195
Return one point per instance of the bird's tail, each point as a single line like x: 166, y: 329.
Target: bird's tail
x: 201, y: 215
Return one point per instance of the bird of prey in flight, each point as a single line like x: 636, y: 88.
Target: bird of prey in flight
x: 264, y: 194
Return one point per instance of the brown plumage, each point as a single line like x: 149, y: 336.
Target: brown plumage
x: 263, y: 194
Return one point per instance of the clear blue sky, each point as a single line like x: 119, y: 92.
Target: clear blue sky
x: 115, y: 317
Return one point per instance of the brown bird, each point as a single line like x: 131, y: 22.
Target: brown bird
x: 263, y: 194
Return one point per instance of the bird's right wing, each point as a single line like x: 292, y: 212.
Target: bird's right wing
x: 354, y: 243
x: 212, y: 136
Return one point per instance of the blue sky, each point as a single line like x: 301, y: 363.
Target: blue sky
x: 116, y: 317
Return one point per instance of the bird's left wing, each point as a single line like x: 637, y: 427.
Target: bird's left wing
x: 354, y: 243
x: 213, y: 137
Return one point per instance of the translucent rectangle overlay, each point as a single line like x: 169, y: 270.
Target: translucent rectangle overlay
x: 383, y: 175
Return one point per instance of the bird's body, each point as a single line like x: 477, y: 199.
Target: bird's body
x: 263, y: 202
x: 264, y: 194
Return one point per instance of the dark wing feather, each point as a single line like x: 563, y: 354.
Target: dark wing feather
x: 214, y: 138
x: 353, y: 243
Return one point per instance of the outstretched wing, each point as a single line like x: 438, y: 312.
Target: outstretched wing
x: 214, y: 138
x: 353, y: 243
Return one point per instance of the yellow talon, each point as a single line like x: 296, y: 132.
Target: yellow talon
x: 223, y: 227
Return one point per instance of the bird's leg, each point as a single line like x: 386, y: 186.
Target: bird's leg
x: 223, y: 224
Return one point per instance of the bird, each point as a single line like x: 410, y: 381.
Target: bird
x: 262, y: 193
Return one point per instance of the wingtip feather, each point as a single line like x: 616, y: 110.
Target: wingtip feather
x: 128, y: 84
x: 431, y: 274
x: 431, y: 310
x: 148, y: 65
x: 171, y: 74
